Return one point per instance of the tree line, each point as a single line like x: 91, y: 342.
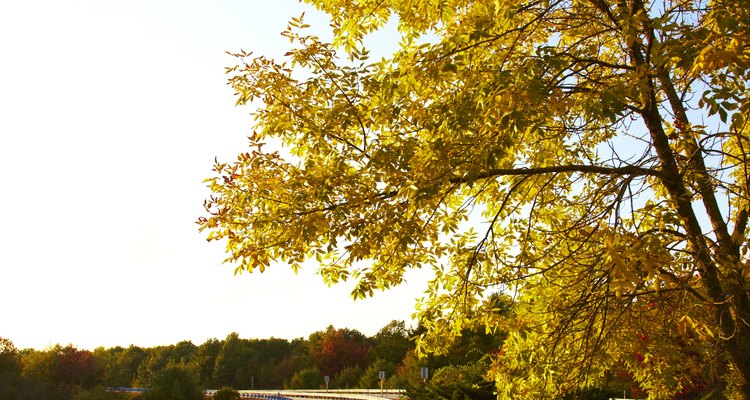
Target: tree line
x: 347, y: 357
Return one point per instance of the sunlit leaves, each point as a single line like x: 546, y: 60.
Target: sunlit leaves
x: 589, y: 159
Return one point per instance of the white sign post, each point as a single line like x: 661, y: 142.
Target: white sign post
x: 425, y: 373
x: 381, y: 375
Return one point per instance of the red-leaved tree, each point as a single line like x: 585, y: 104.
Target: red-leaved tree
x: 336, y: 349
x: 77, y: 368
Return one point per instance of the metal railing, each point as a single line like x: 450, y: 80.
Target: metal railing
x: 353, y: 394
x: 344, y: 394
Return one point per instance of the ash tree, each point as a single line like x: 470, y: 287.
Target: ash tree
x: 588, y: 158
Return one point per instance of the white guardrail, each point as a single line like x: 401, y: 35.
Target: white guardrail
x: 350, y: 394
x: 353, y: 394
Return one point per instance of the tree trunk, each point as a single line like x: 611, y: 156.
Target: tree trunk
x: 729, y: 298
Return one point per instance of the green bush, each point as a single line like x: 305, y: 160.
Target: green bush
x: 226, y: 393
x: 134, y: 396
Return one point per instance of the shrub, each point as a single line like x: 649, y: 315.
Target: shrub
x: 226, y: 393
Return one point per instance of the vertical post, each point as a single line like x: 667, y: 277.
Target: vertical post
x: 425, y: 373
x: 327, y: 379
x: 381, y: 375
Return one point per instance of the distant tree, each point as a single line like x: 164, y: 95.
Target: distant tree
x: 124, y: 370
x: 391, y: 343
x: 10, y: 371
x: 106, y: 358
x: 37, y: 376
x: 347, y: 378
x: 286, y: 368
x: 183, y: 352
x: 8, y: 357
x: 78, y: 368
x: 335, y: 349
x: 298, y: 359
x: 408, y: 372
x: 174, y: 383
x: 263, y: 355
x: 230, y: 362
x: 371, y: 377
x: 206, y: 361
x: 308, y: 378
x: 40, y: 365
x: 156, y: 359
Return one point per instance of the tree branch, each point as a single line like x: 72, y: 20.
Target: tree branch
x: 630, y: 170
x: 739, y: 228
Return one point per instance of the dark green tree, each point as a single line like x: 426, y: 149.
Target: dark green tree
x: 229, y: 369
x: 263, y: 355
x: 156, y: 359
x: 308, y: 378
x: 40, y: 365
x: 31, y: 374
x: 183, y: 352
x: 391, y: 343
x: 175, y: 383
x: 8, y: 357
x: 206, y: 361
x: 371, y: 377
x: 10, y: 372
x: 347, y: 378
x: 297, y: 360
x: 125, y: 369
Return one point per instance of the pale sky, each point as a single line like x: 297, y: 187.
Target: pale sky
x: 111, y: 113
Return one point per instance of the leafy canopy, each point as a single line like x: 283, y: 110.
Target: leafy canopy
x: 588, y: 158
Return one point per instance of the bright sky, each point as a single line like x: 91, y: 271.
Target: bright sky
x: 111, y: 113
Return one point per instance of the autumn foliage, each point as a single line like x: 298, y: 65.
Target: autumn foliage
x: 589, y: 159
x: 337, y: 349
